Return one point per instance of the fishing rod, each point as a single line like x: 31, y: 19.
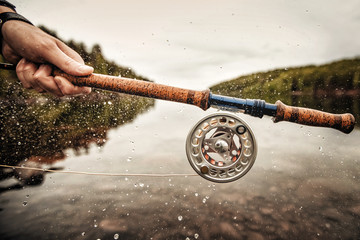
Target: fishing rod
x: 221, y: 147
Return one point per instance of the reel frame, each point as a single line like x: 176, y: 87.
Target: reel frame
x: 221, y: 147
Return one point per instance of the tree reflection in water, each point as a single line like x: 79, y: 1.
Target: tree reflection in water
x: 34, y: 132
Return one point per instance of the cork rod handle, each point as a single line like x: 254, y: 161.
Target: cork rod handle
x: 140, y: 88
x: 343, y: 122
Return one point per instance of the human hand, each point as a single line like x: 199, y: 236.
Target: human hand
x: 34, y: 51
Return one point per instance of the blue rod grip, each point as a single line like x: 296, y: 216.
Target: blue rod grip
x: 253, y: 107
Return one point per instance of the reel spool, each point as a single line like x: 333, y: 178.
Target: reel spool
x: 221, y: 148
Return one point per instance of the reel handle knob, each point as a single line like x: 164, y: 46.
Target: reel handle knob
x: 306, y: 116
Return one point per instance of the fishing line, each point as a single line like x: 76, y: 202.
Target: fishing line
x: 105, y: 174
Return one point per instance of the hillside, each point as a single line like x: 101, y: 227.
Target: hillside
x: 336, y: 78
x: 332, y: 87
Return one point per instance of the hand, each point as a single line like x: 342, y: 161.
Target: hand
x: 33, y: 51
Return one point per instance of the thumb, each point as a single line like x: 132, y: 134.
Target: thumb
x: 73, y: 67
x: 68, y: 64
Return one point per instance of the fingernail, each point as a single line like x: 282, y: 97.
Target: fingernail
x: 87, y: 90
x: 58, y: 79
x: 86, y: 69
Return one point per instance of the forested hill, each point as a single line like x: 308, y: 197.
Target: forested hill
x: 336, y: 79
x: 95, y: 58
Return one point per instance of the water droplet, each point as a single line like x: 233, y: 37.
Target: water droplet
x: 95, y: 225
x: 196, y: 236
x: 129, y: 159
x: 204, y: 200
x: 141, y: 184
x: 320, y: 148
x: 104, y: 210
x: 180, y: 218
x: 24, y: 203
x: 116, y: 236
x: 196, y: 194
x: 83, y: 234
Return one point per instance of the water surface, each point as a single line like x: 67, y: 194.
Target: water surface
x: 303, y: 185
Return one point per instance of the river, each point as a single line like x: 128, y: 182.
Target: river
x: 304, y: 185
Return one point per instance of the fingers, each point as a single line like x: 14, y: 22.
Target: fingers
x: 20, y: 73
x: 46, y: 82
x: 25, y: 71
x: 41, y: 79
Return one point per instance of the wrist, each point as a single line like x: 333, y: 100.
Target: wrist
x: 5, y: 6
x: 10, y: 16
x: 5, y: 9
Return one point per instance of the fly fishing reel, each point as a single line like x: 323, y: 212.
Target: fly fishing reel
x: 221, y: 148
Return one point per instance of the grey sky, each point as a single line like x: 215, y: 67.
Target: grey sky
x: 195, y: 44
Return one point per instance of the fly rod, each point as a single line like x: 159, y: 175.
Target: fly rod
x: 221, y: 147
x: 205, y: 99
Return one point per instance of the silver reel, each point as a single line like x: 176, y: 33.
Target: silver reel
x: 221, y: 148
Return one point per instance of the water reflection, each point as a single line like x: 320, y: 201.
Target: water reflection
x: 35, y: 132
x: 304, y: 184
x: 333, y: 104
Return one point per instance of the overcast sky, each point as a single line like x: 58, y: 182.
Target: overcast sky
x: 195, y: 44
